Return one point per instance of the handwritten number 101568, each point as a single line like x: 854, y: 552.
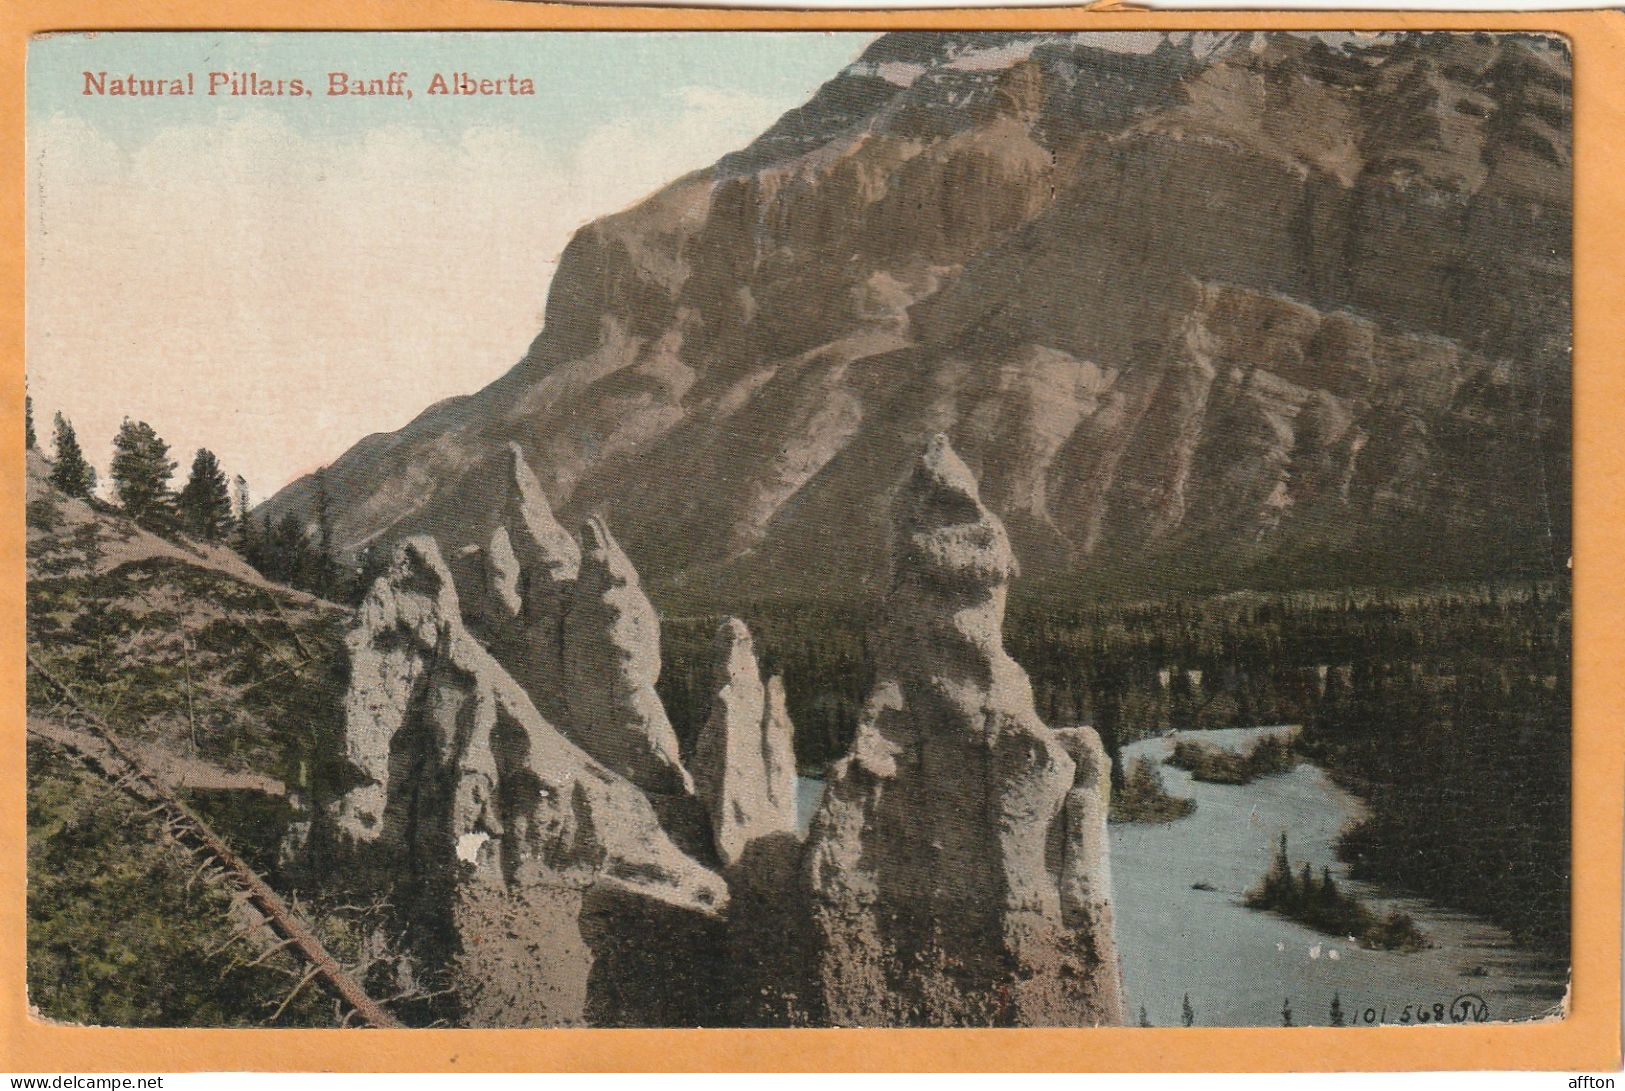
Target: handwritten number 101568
x: 1467, y: 1008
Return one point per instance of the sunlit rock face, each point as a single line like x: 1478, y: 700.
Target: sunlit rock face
x: 957, y: 867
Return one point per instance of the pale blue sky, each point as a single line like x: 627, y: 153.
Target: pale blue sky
x: 275, y: 278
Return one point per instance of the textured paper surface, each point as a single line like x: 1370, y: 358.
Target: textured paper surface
x: 1319, y: 399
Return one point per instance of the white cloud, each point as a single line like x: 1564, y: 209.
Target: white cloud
x: 275, y: 296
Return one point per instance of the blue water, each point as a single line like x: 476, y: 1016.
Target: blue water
x: 1240, y: 966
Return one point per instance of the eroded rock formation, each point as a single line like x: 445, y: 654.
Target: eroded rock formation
x: 956, y: 869
x: 744, y: 767
x: 611, y: 653
x: 530, y: 567
x: 502, y: 834
x: 956, y: 874
x: 1086, y: 871
x: 577, y: 632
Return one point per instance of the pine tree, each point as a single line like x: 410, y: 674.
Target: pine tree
x: 1107, y: 726
x: 286, y: 553
x: 1328, y: 889
x: 141, y: 472
x: 1286, y: 1012
x: 205, y: 504
x: 28, y: 421
x: 1187, y: 1013
x: 1182, y: 698
x: 324, y: 512
x: 72, y: 474
x: 245, y: 539
x: 1337, y: 1010
x: 323, y: 574
x: 1144, y: 1022
x: 1278, y: 882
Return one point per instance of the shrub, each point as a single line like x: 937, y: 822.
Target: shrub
x: 1319, y: 904
x: 1144, y: 797
x: 1215, y: 765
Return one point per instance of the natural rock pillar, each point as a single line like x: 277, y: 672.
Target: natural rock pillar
x: 935, y: 867
x: 501, y: 836
x: 530, y: 569
x: 744, y: 766
x: 1086, y: 870
x: 403, y: 706
x: 611, y: 663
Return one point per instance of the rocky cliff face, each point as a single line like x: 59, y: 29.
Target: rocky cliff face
x: 1269, y: 307
x: 957, y: 868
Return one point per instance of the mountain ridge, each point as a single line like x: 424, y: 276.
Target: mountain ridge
x: 1252, y: 309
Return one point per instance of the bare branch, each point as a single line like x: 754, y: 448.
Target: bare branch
x: 297, y: 989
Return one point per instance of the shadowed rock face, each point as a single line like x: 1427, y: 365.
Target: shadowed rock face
x: 1277, y: 308
x: 956, y: 869
x: 496, y: 826
x: 744, y: 767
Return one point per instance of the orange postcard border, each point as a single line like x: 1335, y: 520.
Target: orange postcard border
x: 1588, y: 1039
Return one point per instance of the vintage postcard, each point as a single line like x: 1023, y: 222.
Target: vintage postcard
x: 793, y: 528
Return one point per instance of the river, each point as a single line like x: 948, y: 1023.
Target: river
x: 1239, y: 966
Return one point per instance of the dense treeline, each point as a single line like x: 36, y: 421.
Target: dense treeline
x: 1139, y: 669
x: 303, y: 555
x: 290, y: 551
x: 1448, y: 709
x: 1465, y: 762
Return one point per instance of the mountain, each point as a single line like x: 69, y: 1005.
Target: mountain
x: 1200, y: 309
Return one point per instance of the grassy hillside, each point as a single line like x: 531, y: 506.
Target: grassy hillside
x: 210, y: 671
